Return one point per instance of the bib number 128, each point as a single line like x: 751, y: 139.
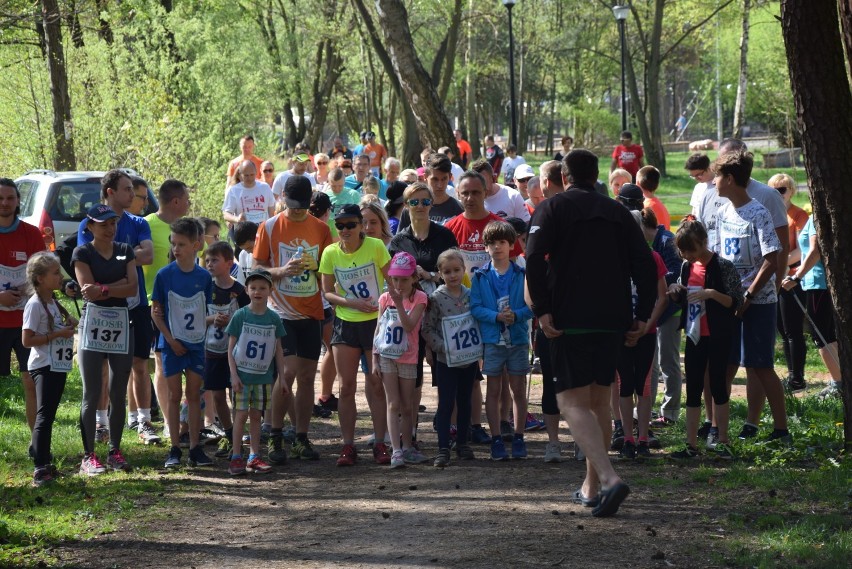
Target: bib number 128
x: 466, y: 339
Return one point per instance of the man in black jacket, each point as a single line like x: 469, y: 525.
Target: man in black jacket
x: 583, y: 251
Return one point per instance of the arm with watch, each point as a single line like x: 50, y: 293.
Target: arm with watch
x: 93, y: 291
x: 812, y: 257
x: 767, y: 269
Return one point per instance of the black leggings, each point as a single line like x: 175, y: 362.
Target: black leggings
x: 712, y: 351
x: 49, y: 386
x: 791, y: 328
x: 821, y: 311
x: 634, y: 366
x: 455, y: 385
x: 548, y: 391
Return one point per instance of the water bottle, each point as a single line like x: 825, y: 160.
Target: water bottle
x: 298, y: 257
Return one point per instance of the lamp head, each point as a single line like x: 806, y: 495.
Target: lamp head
x: 621, y: 12
x: 509, y: 3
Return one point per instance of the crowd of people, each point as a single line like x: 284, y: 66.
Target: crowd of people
x: 346, y: 262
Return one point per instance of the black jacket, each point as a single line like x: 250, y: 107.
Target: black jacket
x: 722, y: 277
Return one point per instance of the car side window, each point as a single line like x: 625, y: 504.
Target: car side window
x: 72, y: 200
x: 27, y: 191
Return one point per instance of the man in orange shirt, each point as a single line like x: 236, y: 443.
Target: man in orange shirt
x: 465, y: 151
x: 376, y: 152
x: 246, y: 153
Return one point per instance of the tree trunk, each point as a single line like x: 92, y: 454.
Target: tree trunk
x: 331, y: 64
x: 63, y: 129
x: 742, y: 84
x: 433, y: 126
x: 656, y: 154
x: 815, y: 56
x: 452, y: 47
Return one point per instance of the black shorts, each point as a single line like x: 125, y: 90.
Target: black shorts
x: 217, y: 374
x: 303, y: 338
x: 821, y: 310
x: 354, y: 334
x: 155, y: 334
x: 140, y: 319
x: 579, y: 360
x: 10, y: 339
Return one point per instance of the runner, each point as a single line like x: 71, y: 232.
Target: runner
x: 250, y: 200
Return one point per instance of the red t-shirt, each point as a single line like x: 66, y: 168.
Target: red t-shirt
x: 15, y: 249
x: 696, y: 278
x: 628, y: 157
x: 468, y: 233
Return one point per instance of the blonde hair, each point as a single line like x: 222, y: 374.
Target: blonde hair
x: 37, y: 267
x: 785, y: 180
x: 371, y: 185
x: 414, y: 188
x: 409, y: 176
x: 372, y: 204
x: 322, y: 156
x: 448, y: 255
x: 619, y: 173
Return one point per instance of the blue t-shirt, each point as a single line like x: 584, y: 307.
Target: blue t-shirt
x: 184, y: 298
x: 131, y: 229
x: 352, y: 183
x: 815, y: 278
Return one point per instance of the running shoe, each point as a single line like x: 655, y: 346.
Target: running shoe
x: 217, y: 428
x: 173, y: 460
x: 464, y: 452
x: 257, y: 466
x: 412, y: 455
x: 723, y: 452
x: 329, y: 404
x: 617, y: 440
x: 478, y: 435
x: 779, y: 435
x: 91, y: 466
x: 197, y: 457
x: 304, y: 450
x: 687, y: 453
x: 643, y: 451
x: 321, y: 412
x: 237, y: 466
x: 275, y: 450
x: 833, y: 390
x: 747, y: 432
x: 397, y: 459
x: 536, y: 366
x: 224, y: 448
x: 42, y: 476
x: 795, y: 385
x: 704, y: 430
x: 208, y: 435
x: 712, y: 438
x: 348, y: 456
x: 533, y: 424
x: 628, y: 451
x: 381, y: 454
x: 519, y: 448
x: 507, y: 431
x: 553, y: 453
x: 101, y: 434
x: 498, y: 450
x: 443, y: 458
x: 147, y: 434
x: 183, y: 440
x: 662, y: 423
x: 132, y: 426
x: 115, y: 461
x: 653, y: 441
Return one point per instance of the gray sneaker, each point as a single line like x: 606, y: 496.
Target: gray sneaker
x: 833, y: 390
x: 553, y: 453
x: 173, y: 460
x: 147, y: 434
x: 712, y: 438
x: 413, y: 456
x: 442, y: 460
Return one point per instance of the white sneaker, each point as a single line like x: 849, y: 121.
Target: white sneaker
x: 833, y: 390
x: 397, y: 461
x: 553, y: 453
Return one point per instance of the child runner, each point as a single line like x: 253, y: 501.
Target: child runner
x: 245, y: 234
x: 254, y: 333
x: 182, y: 292
x: 49, y: 330
x: 396, y: 345
x: 497, y: 302
x: 453, y: 335
x: 228, y: 296
x: 710, y: 289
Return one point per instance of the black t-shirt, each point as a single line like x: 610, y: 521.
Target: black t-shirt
x: 106, y: 271
x: 424, y: 252
x: 222, y: 296
x: 439, y: 213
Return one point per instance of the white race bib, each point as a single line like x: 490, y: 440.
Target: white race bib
x: 105, y: 329
x: 391, y: 341
x: 694, y: 313
x: 255, y: 348
x: 735, y: 243
x: 217, y: 340
x: 307, y: 281
x: 61, y: 354
x: 473, y: 260
x: 359, y: 282
x: 186, y: 317
x: 257, y: 216
x: 462, y: 342
x: 13, y: 278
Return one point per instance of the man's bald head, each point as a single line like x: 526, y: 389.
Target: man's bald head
x: 246, y: 166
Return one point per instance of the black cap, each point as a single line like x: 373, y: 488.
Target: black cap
x: 395, y: 191
x: 100, y: 213
x: 519, y: 225
x: 320, y: 203
x: 259, y: 274
x: 349, y: 210
x: 297, y: 192
x: 631, y: 196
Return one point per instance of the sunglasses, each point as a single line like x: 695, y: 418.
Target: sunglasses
x: 349, y: 225
x: 781, y: 189
x: 426, y: 202
x: 322, y: 163
x: 269, y: 171
x: 143, y: 197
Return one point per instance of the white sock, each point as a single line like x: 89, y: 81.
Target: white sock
x: 144, y: 415
x: 132, y: 417
x: 103, y: 418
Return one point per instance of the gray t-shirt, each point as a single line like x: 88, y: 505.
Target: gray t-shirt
x: 708, y: 208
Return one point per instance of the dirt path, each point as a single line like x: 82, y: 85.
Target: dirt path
x: 476, y: 514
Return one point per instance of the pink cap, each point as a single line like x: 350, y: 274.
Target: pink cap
x: 402, y: 265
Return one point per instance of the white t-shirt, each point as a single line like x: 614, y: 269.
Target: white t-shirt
x: 507, y: 170
x: 456, y: 172
x: 255, y: 202
x: 698, y: 194
x: 281, y: 179
x: 507, y: 203
x: 744, y: 236
x: 35, y: 319
x: 244, y: 261
x: 769, y: 198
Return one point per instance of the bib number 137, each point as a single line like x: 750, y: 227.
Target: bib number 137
x: 105, y: 334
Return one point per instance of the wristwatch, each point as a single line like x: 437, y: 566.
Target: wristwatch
x: 432, y: 275
x: 748, y: 295
x: 795, y: 278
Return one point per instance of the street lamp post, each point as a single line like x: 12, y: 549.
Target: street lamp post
x: 621, y: 13
x: 513, y: 135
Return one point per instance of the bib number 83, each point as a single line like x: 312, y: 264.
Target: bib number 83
x: 732, y: 246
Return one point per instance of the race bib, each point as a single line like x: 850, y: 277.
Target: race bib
x: 61, y: 354
x: 255, y: 348
x: 256, y: 216
x: 694, y: 313
x: 306, y: 285
x: 462, y: 342
x: 474, y: 259
x: 105, y: 329
x: 186, y: 317
x: 13, y: 278
x: 359, y: 282
x: 735, y: 243
x: 217, y: 341
x: 391, y: 341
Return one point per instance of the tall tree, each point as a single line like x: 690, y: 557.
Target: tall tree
x: 63, y: 128
x: 742, y: 83
x: 815, y: 55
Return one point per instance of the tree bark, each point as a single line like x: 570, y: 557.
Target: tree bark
x: 433, y: 126
x: 823, y: 98
x: 63, y: 130
x: 742, y: 84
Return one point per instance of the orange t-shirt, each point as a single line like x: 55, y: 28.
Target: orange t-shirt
x: 293, y: 299
x: 377, y: 154
x: 663, y: 217
x: 465, y: 150
x: 235, y: 163
x: 796, y: 220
